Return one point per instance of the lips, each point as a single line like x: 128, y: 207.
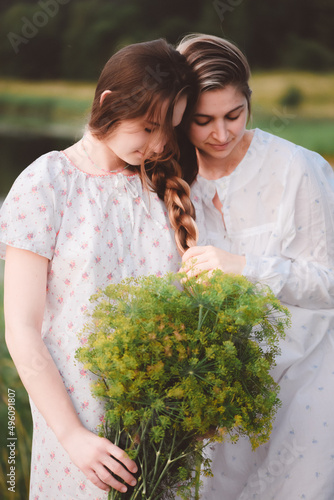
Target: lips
x: 219, y: 147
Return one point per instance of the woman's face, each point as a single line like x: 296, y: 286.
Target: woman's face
x: 219, y: 123
x: 131, y: 138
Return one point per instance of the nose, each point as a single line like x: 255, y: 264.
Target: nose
x: 159, y: 147
x: 219, y: 132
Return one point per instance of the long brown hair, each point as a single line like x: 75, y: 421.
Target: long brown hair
x: 217, y: 63
x: 147, y: 79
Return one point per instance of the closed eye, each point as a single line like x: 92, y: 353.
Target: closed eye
x: 231, y: 118
x: 201, y: 123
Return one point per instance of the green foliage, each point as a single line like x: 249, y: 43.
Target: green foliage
x: 74, y: 39
x: 314, y: 134
x: 292, y: 97
x: 178, y: 362
x: 301, y: 54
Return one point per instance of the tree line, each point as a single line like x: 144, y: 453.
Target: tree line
x: 72, y: 39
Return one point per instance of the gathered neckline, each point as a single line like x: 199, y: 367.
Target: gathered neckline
x: 106, y: 174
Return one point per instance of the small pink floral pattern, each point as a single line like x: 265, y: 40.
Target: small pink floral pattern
x: 95, y: 231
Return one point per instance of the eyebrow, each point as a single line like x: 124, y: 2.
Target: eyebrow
x: 153, y: 123
x: 231, y: 111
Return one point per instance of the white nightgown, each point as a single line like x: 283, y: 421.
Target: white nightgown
x: 95, y: 230
x: 278, y: 208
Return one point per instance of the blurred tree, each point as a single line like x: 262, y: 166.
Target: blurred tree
x: 94, y: 34
x: 52, y: 39
x: 31, y: 45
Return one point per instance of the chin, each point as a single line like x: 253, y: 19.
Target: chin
x: 218, y: 154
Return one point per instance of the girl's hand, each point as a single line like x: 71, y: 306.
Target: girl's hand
x: 94, y: 455
x: 199, y: 259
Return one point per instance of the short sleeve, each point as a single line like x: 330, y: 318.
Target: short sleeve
x: 27, y: 219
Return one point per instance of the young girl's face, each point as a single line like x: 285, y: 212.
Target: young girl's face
x: 219, y: 122
x: 131, y: 138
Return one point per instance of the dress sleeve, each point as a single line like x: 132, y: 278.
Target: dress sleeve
x: 27, y: 218
x: 303, y: 274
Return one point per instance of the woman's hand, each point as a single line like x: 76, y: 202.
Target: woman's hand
x: 199, y: 259
x: 94, y: 455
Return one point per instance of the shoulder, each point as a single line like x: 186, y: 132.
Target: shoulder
x: 49, y: 165
x: 294, y: 160
x: 47, y: 172
x: 268, y: 143
x: 31, y: 213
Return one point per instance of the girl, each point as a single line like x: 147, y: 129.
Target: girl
x: 265, y: 207
x: 75, y: 221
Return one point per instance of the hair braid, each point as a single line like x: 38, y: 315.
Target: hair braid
x: 175, y: 192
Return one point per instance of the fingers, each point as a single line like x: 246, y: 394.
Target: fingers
x: 103, y: 473
x: 197, y: 269
x: 116, y: 468
x: 102, y: 477
x: 122, y: 457
x: 193, y: 258
x: 199, y: 259
x: 193, y: 252
x: 99, y: 459
x: 93, y: 478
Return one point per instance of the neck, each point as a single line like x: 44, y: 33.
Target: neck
x: 101, y: 155
x: 215, y: 168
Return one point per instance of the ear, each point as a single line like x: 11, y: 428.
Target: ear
x: 103, y: 95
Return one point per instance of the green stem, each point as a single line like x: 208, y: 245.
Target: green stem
x: 200, y: 317
x: 143, y: 464
x: 198, y: 475
x: 165, y: 468
x: 157, y: 455
x: 169, y: 461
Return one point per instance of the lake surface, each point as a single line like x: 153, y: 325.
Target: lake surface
x: 18, y: 151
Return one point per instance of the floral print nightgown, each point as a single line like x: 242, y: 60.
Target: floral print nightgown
x: 95, y: 230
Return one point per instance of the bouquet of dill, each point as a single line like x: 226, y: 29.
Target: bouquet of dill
x: 179, y: 362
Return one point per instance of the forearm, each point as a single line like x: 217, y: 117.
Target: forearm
x: 42, y: 380
x: 296, y: 282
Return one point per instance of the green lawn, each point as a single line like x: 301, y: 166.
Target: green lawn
x: 61, y: 108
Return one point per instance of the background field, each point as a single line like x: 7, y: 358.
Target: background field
x: 298, y: 106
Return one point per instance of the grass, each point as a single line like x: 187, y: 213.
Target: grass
x: 45, y: 108
x: 317, y: 91
x: 309, y: 124
x: 314, y: 134
x: 60, y: 108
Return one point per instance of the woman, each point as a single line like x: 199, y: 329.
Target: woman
x: 265, y: 207
x: 75, y: 221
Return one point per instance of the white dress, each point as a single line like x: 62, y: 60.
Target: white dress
x: 278, y: 208
x: 95, y: 230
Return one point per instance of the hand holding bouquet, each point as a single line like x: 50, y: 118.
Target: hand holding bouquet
x: 178, y: 362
